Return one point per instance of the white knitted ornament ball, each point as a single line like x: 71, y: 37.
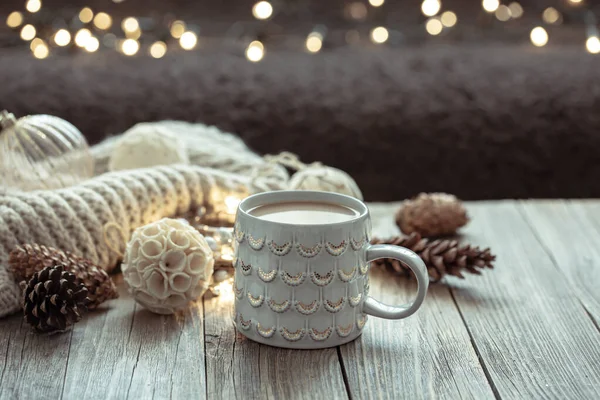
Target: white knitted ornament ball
x: 326, y: 179
x: 147, y: 145
x: 167, y: 264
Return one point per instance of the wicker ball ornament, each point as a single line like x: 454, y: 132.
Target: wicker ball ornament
x: 42, y: 152
x: 167, y: 264
x: 147, y: 145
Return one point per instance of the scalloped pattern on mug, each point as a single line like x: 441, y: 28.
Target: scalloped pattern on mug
x: 279, y: 249
x: 334, y: 306
x: 246, y: 268
x: 266, y: 276
x: 255, y: 244
x: 245, y: 325
x: 321, y: 280
x: 308, y: 252
x: 344, y: 331
x: 279, y: 307
x: 293, y: 280
x: 265, y: 332
x: 239, y: 235
x: 319, y: 336
x: 255, y: 301
x: 347, y: 276
x: 336, y: 250
x: 292, y: 336
x: 364, y: 269
x: 239, y: 293
x: 307, y: 309
x: 361, y: 320
x: 355, y: 300
x: 357, y: 244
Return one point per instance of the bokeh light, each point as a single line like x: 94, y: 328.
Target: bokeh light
x: 62, y: 37
x: 255, y: 51
x: 262, y: 10
x: 490, y: 5
x: 158, y: 49
x: 14, y: 19
x: 434, y: 26
x: 379, y: 35
x: 28, y: 32
x: 539, y: 36
x: 188, y: 40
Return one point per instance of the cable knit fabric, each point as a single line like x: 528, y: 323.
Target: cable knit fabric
x: 79, y: 218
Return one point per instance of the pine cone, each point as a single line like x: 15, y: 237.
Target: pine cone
x: 431, y: 214
x: 54, y: 300
x: 442, y: 257
x: 28, y: 259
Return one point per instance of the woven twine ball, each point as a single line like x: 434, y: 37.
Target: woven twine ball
x: 325, y: 179
x: 147, y: 145
x: 167, y: 264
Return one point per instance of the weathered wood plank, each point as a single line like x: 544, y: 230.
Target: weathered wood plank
x: 531, y: 332
x: 122, y: 350
x: 568, y: 233
x: 241, y: 369
x: 33, y: 366
x: 428, y: 355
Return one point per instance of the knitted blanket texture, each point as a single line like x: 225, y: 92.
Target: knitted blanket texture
x: 79, y: 218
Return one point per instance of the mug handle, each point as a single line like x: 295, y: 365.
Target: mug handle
x: 381, y: 310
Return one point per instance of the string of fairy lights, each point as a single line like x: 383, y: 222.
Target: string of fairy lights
x: 94, y: 29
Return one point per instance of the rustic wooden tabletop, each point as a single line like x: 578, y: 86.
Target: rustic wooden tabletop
x: 527, y: 329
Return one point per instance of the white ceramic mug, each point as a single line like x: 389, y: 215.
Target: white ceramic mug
x: 306, y: 286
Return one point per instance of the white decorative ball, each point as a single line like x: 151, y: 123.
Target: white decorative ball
x: 167, y: 264
x: 147, y: 145
x: 325, y: 179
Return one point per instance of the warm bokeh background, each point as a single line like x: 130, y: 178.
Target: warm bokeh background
x: 477, y: 110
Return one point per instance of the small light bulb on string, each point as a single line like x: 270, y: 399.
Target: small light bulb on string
x: 28, y: 32
x: 429, y: 8
x: 592, y: 45
x: 449, y: 19
x: 551, y: 16
x: 33, y: 6
x: 188, y: 40
x: 62, y: 37
x: 158, y: 49
x: 434, y: 26
x: 575, y: 2
x: 503, y: 13
x: 379, y: 35
x: 102, y: 21
x: 86, y: 15
x: 177, y: 29
x: 262, y: 10
x: 14, y: 19
x: 92, y: 44
x: 130, y: 24
x: 539, y: 36
x: 130, y: 47
x: 516, y: 11
x: 490, y: 5
x: 82, y: 36
x: 255, y: 51
x: 41, y: 51
x: 376, y: 3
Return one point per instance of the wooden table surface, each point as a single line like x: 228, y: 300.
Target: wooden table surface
x: 527, y: 329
